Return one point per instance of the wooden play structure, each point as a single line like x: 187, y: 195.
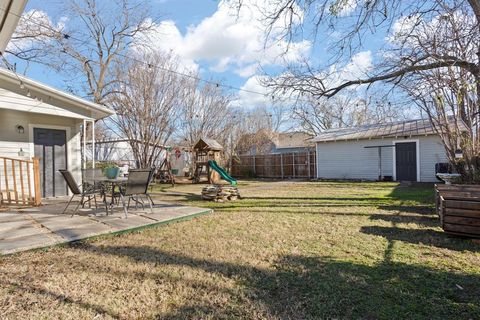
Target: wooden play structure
x: 206, y: 150
x: 164, y: 173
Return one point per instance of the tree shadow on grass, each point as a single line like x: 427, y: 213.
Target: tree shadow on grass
x: 415, y: 193
x: 426, y: 210
x: 301, y: 287
x: 422, y: 220
x: 421, y: 236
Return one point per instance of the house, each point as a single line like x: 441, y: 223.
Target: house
x: 39, y: 121
x: 289, y: 142
x: 264, y: 142
x: 400, y: 151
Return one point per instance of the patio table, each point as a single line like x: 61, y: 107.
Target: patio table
x: 117, y: 182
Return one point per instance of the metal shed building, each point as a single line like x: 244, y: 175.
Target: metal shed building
x: 402, y: 151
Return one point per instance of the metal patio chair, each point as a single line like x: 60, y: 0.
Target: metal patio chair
x: 136, y: 188
x: 85, y: 192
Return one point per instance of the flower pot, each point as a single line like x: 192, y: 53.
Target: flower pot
x: 112, y: 173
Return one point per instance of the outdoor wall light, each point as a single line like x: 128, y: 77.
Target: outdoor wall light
x: 458, y: 154
x: 20, y: 129
x: 21, y: 153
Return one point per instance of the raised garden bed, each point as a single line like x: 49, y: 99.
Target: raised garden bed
x: 458, y: 207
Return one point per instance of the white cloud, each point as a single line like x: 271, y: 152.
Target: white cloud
x: 166, y: 37
x: 227, y: 40
x: 357, y: 68
x: 253, y: 93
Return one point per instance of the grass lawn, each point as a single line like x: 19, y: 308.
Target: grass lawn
x: 289, y: 250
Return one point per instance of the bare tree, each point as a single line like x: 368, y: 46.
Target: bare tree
x: 205, y: 112
x: 147, y: 103
x: 344, y: 110
x: 86, y: 44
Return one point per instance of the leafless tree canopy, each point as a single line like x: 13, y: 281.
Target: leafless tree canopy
x: 87, y: 45
x: 205, y: 112
x: 147, y: 102
x: 346, y: 110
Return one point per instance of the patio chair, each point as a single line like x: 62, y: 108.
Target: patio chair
x: 89, y: 177
x: 88, y: 192
x: 136, y: 187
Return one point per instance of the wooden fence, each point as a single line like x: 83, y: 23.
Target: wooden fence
x: 20, y: 182
x: 281, y: 165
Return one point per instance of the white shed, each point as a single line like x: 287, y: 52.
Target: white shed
x: 402, y: 151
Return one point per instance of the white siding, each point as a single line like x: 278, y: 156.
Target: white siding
x: 431, y: 152
x: 11, y: 141
x: 351, y: 160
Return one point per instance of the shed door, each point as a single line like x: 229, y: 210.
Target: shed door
x: 406, y: 161
x: 51, y: 148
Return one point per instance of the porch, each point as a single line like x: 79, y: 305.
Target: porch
x: 38, y: 227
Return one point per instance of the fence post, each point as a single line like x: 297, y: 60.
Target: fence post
x: 293, y: 165
x: 36, y: 181
x: 254, y: 166
x: 308, y: 163
x: 281, y: 164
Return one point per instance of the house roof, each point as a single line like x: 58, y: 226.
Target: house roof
x: 17, y: 87
x: 207, y: 143
x: 10, y: 12
x: 296, y: 139
x: 409, y: 128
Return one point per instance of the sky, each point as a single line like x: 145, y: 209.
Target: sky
x: 209, y: 37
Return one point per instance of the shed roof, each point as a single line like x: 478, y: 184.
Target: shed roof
x: 295, y: 139
x: 207, y: 143
x: 409, y: 128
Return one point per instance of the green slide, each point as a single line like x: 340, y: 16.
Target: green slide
x: 225, y: 176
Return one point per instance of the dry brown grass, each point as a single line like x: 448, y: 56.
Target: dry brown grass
x: 289, y: 250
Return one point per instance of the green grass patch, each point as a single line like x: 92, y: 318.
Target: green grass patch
x: 301, y: 250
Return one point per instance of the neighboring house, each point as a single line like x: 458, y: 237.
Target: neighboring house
x: 120, y: 151
x: 288, y: 142
x: 406, y: 150
x: 283, y: 142
x: 38, y: 120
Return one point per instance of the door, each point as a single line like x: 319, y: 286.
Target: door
x: 406, y: 161
x: 51, y: 148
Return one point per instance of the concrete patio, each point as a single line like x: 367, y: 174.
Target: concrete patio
x: 30, y: 228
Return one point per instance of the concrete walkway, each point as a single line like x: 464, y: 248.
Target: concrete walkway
x: 30, y: 228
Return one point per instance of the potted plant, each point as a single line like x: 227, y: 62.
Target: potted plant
x: 111, y: 171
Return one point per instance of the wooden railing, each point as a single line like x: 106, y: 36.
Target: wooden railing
x: 20, y: 182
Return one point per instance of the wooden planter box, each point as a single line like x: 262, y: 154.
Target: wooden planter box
x: 458, y: 207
